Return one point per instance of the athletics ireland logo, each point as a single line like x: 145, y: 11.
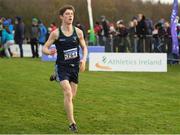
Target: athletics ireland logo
x: 102, y: 66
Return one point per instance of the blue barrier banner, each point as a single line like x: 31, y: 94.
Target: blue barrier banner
x: 99, y: 49
x: 49, y: 57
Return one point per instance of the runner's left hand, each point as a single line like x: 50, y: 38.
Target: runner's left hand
x: 82, y: 65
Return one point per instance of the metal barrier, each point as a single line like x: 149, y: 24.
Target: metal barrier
x: 135, y: 44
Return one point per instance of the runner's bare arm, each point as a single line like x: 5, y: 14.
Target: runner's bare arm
x: 84, y: 50
x: 53, y: 36
x: 82, y: 44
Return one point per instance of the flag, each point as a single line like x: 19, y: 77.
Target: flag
x: 92, y: 35
x: 174, y: 21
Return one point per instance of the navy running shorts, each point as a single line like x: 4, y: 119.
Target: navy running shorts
x: 68, y: 72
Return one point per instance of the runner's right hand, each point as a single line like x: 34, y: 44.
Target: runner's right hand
x: 52, y: 51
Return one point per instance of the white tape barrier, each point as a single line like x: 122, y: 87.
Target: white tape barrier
x: 26, y: 50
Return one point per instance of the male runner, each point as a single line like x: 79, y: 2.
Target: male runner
x: 67, y: 40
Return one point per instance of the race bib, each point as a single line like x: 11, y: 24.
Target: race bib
x: 70, y: 54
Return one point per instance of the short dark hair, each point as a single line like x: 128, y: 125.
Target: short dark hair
x: 64, y: 8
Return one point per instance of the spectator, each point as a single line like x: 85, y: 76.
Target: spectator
x: 167, y: 37
x: 53, y: 26
x: 149, y: 26
x: 156, y: 41
x: 141, y: 32
x: 98, y: 32
x: 48, y: 33
x: 42, y: 33
x: 133, y: 35
x: 120, y: 41
x: 116, y: 40
x: 2, y: 53
x: 34, y: 38
x: 11, y: 29
x: 161, y: 33
x: 7, y: 38
x: 81, y: 27
x: 105, y: 26
x: 105, y: 33
x: 19, y: 34
x: 123, y: 33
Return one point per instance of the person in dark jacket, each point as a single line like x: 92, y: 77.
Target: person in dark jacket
x: 19, y: 34
x: 141, y: 32
x: 123, y: 33
x: 34, y: 38
x: 81, y: 27
x: 105, y: 33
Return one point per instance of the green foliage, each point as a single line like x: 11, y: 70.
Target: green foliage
x: 106, y: 103
x: 47, y: 10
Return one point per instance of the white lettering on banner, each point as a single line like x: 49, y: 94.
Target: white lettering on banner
x: 133, y: 62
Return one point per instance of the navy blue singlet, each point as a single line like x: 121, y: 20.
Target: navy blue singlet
x: 67, y: 48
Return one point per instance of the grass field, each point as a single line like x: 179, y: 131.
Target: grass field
x: 107, y: 102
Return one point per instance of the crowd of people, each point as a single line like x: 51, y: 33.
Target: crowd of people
x: 15, y: 33
x: 140, y: 35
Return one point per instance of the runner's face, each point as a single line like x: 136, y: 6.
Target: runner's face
x: 68, y: 16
